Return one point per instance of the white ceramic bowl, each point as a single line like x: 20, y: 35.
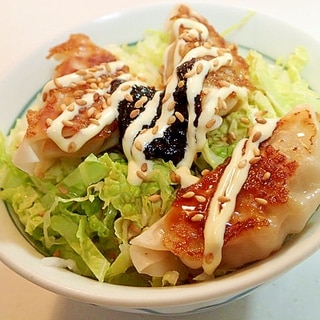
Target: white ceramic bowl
x: 263, y: 33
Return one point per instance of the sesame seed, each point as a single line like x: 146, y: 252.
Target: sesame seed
x: 49, y: 122
x: 67, y: 123
x: 224, y: 83
x: 134, y: 113
x: 210, y: 123
x: 140, y: 174
x: 171, y: 105
x: 144, y: 167
x: 223, y: 199
x: 154, y: 197
x: 166, y: 97
x: 204, y: 172
x: 101, y: 85
x: 199, y: 68
x: 215, y: 63
x: 63, y: 106
x: 91, y: 80
x: 81, y: 83
x: 261, y: 120
x: 207, y: 45
x: 128, y: 97
x: 221, y: 104
x: 188, y: 194
x: 242, y: 163
x: 138, y: 145
x: 245, y: 120
x: 78, y: 93
x: 93, y: 86
x: 98, y: 115
x: 197, y: 217
x: 81, y: 72
x: 155, y: 129
x: 70, y: 108
x: 107, y: 84
x: 266, y: 176
x: 189, y: 74
x: 94, y: 121
x: 90, y: 111
x: 93, y: 69
x: 261, y: 201
x: 180, y: 84
x: 139, y: 103
x: 125, y: 87
x: 106, y: 95
x: 200, y: 198
x: 254, y: 160
x: 179, y: 116
x: 108, y: 101
x: 256, y: 136
x: 171, y: 120
x: 232, y: 135
x: 261, y: 113
x: 81, y: 102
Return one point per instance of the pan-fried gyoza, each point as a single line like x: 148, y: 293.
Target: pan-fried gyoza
x: 244, y: 209
x: 204, y: 181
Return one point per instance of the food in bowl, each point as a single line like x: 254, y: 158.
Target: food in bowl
x: 165, y: 182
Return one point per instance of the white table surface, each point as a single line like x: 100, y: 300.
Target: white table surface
x: 26, y: 25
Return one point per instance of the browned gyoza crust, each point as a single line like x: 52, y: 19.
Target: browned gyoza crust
x: 236, y: 74
x: 275, y: 200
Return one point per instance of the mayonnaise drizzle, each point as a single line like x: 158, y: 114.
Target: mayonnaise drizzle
x: 205, y: 59
x: 229, y: 186
x: 75, y: 142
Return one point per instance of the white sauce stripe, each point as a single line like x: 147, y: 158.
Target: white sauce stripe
x: 229, y: 186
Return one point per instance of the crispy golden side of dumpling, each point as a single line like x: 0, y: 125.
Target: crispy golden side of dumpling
x: 236, y: 73
x: 78, y: 52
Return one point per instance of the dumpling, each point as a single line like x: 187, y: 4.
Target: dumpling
x: 78, y: 52
x: 244, y: 209
x: 72, y: 120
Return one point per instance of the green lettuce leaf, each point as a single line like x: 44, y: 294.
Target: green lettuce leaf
x: 280, y: 86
